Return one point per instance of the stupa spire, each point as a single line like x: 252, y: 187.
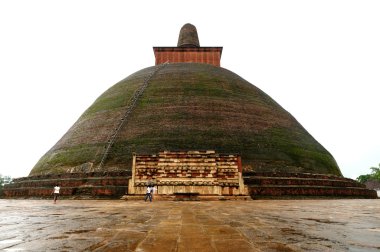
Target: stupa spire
x: 188, y: 36
x: 188, y: 50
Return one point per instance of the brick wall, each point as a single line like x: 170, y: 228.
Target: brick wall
x: 93, y: 184
x: 281, y: 184
x: 207, y: 55
x: 204, y: 172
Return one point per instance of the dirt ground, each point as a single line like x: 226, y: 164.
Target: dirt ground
x: 258, y: 225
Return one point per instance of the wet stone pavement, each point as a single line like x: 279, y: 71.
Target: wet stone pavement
x: 259, y: 225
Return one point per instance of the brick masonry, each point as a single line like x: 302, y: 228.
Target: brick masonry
x: 176, y: 178
x: 291, y: 185
x: 202, y: 172
x: 206, y: 55
x: 92, y: 184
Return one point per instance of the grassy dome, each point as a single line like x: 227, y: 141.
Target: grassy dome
x: 189, y: 106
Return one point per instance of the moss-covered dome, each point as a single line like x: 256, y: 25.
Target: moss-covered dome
x: 189, y: 106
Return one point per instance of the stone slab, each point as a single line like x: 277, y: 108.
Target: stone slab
x: 259, y: 225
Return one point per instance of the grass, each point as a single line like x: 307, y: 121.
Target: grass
x: 194, y: 107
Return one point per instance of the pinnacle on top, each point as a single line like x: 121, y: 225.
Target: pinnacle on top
x: 188, y: 36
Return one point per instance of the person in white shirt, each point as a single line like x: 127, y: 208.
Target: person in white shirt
x: 148, y: 193
x: 56, y: 192
x: 153, y: 191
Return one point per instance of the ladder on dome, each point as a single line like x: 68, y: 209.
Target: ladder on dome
x: 132, y: 103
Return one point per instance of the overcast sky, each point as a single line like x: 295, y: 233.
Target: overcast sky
x: 320, y: 60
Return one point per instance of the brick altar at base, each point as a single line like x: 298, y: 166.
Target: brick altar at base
x: 188, y: 172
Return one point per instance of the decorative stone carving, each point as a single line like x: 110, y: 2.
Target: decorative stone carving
x: 203, y: 172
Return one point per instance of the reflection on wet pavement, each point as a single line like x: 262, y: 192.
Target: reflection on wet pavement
x: 106, y: 225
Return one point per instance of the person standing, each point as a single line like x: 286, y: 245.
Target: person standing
x: 56, y: 192
x: 148, y: 194
x: 153, y: 191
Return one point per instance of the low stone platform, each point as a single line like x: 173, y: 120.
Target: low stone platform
x: 259, y: 185
x: 304, y: 185
x: 90, y: 184
x: 189, y: 197
x: 207, y: 226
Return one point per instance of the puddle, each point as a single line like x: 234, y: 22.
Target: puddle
x: 79, y: 231
x: 58, y: 237
x: 374, y: 229
x: 309, y: 226
x: 327, y: 221
x: 9, y: 241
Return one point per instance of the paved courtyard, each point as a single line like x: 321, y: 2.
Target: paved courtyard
x: 259, y: 225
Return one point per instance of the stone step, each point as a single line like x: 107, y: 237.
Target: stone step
x: 71, y: 182
x: 270, y: 191
x: 102, y: 191
x: 195, y: 198
x: 278, y: 181
x: 292, y: 175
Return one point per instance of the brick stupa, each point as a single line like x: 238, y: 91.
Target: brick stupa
x: 188, y: 126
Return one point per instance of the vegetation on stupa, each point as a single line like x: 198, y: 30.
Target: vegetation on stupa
x: 189, y: 106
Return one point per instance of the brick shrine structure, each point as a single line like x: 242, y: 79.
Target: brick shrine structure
x: 206, y: 55
x: 193, y: 104
x: 188, y: 172
x: 188, y: 50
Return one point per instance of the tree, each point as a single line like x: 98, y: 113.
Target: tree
x: 373, y: 176
x: 3, y: 181
x: 363, y: 178
x: 376, y: 172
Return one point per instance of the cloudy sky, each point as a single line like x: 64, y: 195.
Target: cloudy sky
x: 320, y: 60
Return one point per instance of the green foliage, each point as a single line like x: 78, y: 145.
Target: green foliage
x: 363, y: 178
x: 68, y: 157
x: 374, y: 175
x: 3, y: 181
